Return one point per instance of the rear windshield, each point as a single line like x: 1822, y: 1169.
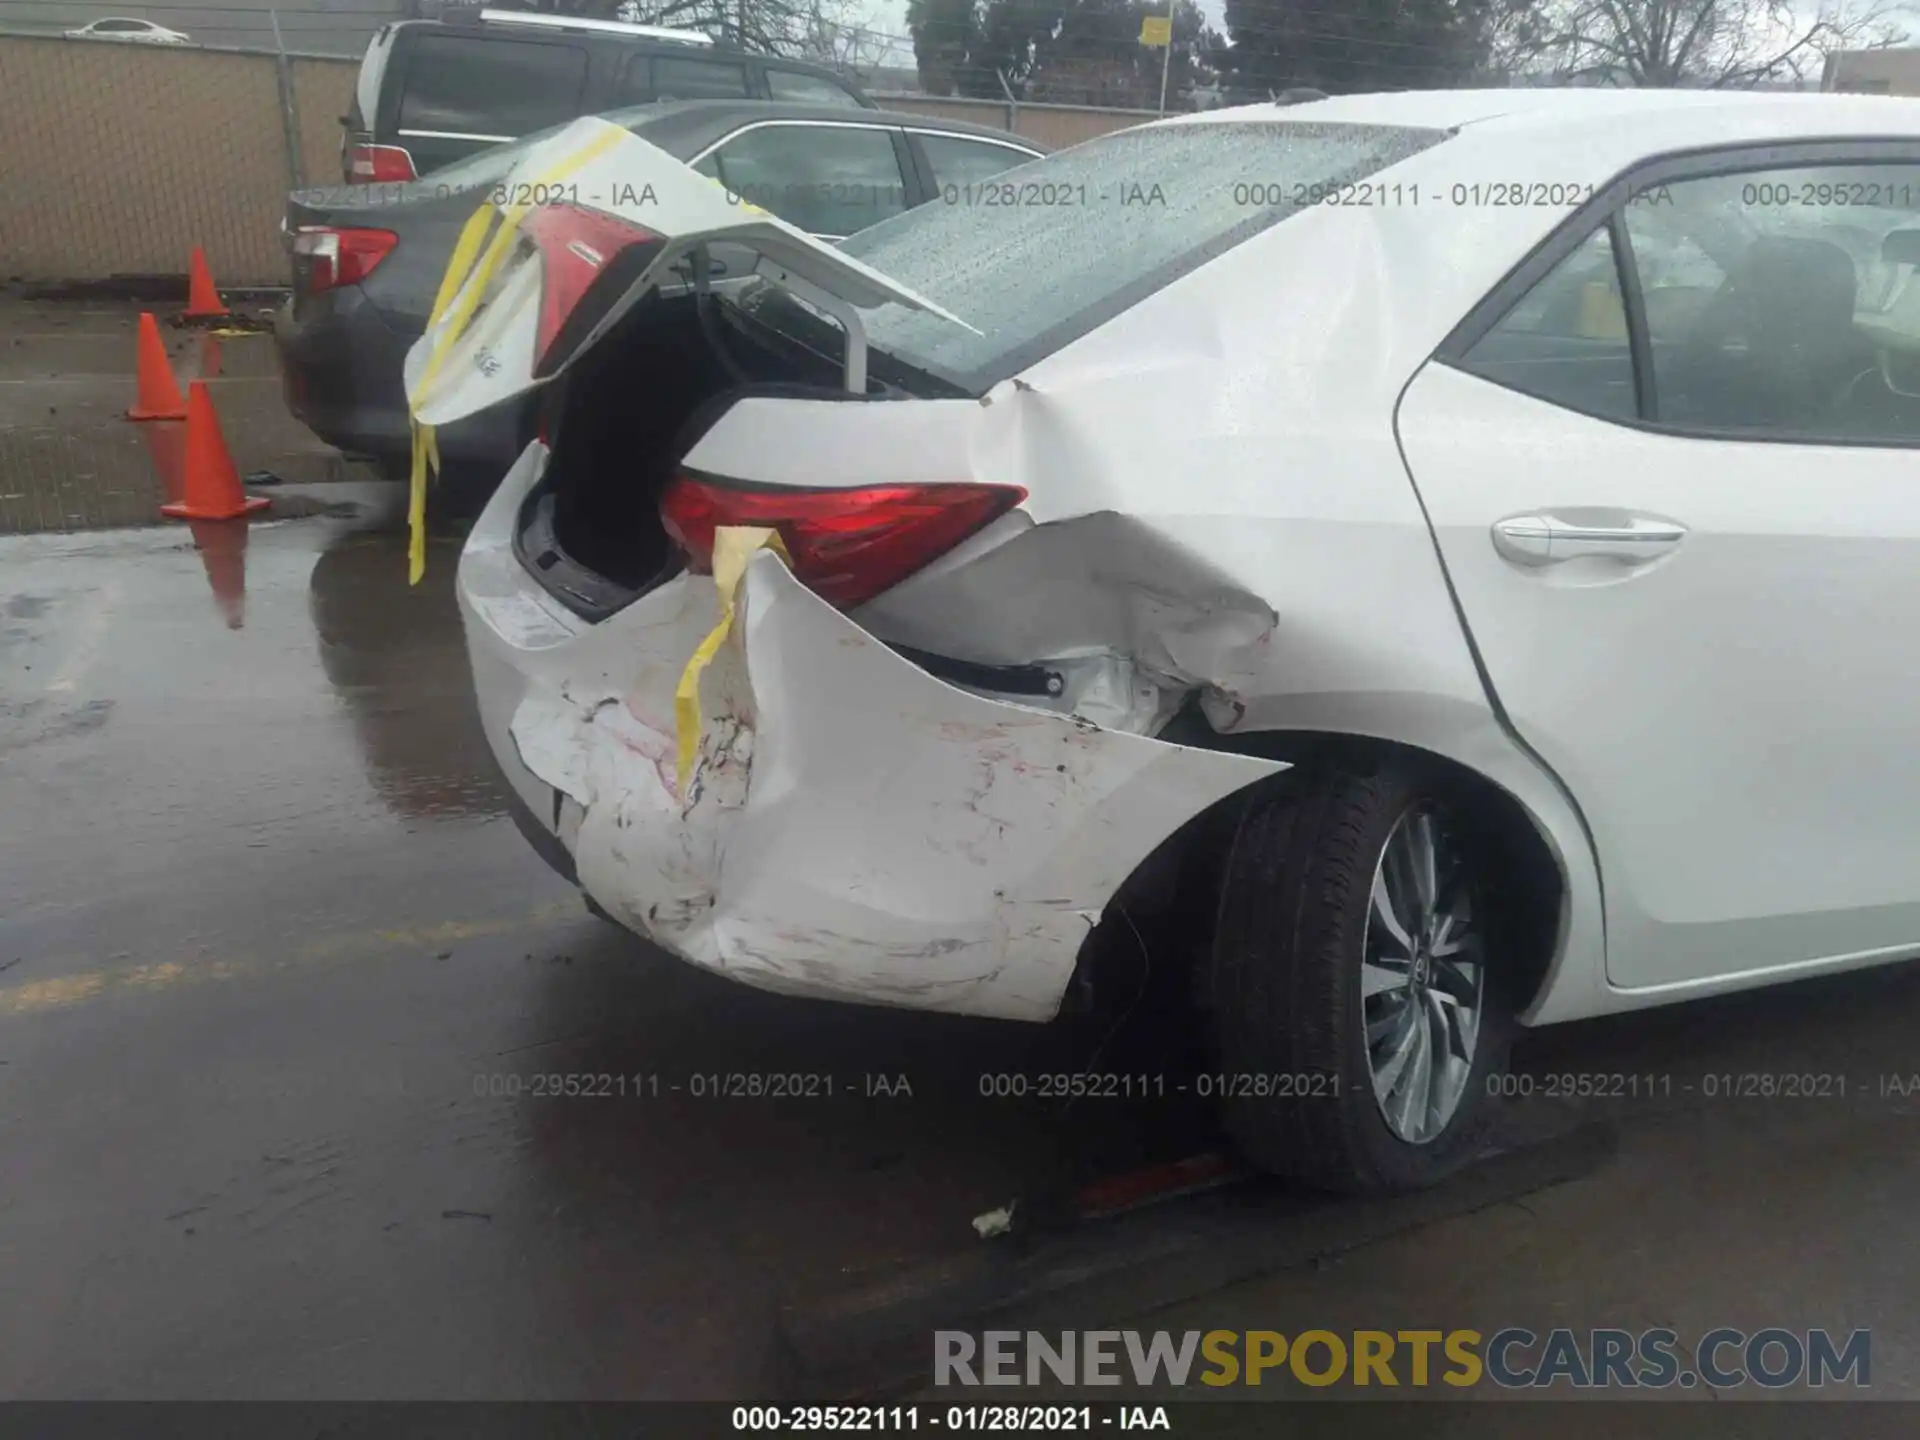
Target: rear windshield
x: 1038, y: 255
x: 480, y: 88
x: 493, y: 164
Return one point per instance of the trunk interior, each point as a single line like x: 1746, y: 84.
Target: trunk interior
x: 618, y: 422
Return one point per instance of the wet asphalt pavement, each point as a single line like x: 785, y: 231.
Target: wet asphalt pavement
x: 274, y: 965
x: 278, y: 980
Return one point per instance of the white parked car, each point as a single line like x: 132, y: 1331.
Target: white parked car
x: 1468, y: 536
x: 143, y: 32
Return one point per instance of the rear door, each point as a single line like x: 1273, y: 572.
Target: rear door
x: 953, y: 162
x: 1674, y: 470
x: 458, y: 92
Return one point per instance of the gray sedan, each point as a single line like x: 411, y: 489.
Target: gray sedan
x: 367, y: 259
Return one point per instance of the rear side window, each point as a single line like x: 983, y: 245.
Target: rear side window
x: 636, y: 81
x: 1566, y: 341
x: 828, y: 179
x: 491, y: 89
x: 677, y: 78
x: 801, y: 89
x: 1778, y: 304
x: 1094, y: 230
x: 1784, y: 302
x: 958, y: 161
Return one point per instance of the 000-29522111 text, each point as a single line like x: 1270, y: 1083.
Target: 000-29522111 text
x: 804, y: 1419
x: 1012, y: 1085
x: 700, y: 1085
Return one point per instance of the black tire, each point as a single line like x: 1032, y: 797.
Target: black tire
x: 1283, y: 985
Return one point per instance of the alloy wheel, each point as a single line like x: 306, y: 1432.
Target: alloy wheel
x: 1422, y: 978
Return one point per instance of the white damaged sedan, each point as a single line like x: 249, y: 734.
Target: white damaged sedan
x: 1462, y: 538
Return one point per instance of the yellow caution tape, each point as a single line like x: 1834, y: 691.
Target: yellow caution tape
x: 468, y: 274
x: 459, y: 266
x: 426, y: 447
x: 426, y: 455
x: 733, y: 546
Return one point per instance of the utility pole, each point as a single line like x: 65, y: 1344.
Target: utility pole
x: 1166, y: 60
x: 289, y: 120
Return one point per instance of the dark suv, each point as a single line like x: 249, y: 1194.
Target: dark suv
x: 431, y: 92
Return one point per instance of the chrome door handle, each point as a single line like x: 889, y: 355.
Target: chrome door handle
x: 1544, y: 538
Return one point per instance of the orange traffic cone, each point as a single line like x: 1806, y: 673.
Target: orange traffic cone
x: 211, y: 489
x: 202, y: 299
x: 158, y: 396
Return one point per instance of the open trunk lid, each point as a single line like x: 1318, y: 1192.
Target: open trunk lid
x: 597, y: 218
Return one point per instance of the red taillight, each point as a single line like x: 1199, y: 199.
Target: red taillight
x: 340, y: 257
x: 576, y: 247
x: 379, y: 164
x: 846, y: 545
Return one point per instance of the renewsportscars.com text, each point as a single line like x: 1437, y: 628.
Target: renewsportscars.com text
x: 1511, y: 1358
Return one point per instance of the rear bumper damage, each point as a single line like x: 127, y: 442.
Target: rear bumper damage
x: 856, y: 829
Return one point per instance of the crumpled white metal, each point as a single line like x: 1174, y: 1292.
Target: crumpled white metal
x: 856, y: 828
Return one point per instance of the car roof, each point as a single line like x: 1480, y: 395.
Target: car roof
x: 651, y: 40
x: 469, y: 21
x: 1679, y: 118
x: 688, y: 126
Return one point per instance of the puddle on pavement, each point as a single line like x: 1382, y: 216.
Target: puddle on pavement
x: 223, y: 550
x: 395, y: 657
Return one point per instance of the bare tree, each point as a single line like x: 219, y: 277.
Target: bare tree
x: 1697, y: 44
x: 835, y: 38
x: 778, y: 27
